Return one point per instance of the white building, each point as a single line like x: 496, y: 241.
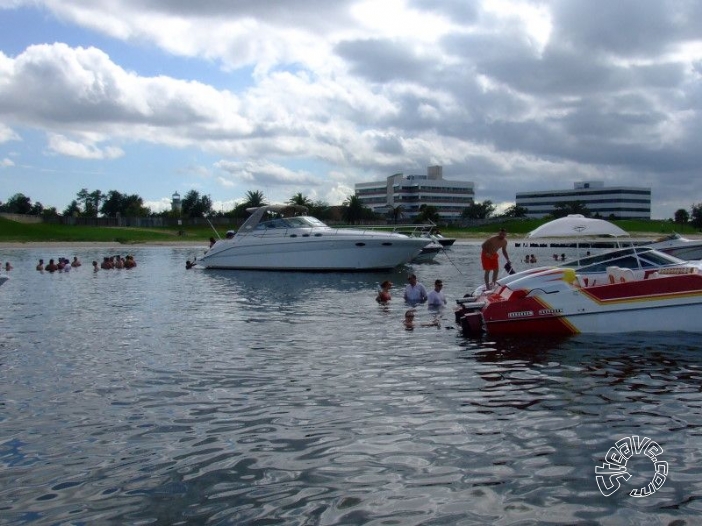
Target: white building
x: 412, y: 191
x: 620, y: 202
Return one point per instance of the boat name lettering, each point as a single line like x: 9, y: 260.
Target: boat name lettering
x: 520, y: 314
x: 546, y: 312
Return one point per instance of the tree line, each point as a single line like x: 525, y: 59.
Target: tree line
x: 116, y: 204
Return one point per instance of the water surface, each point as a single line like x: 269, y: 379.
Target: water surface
x: 161, y: 395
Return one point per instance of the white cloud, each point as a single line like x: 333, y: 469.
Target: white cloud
x: 84, y: 150
x: 265, y: 173
x: 6, y: 163
x: 7, y: 134
x: 508, y: 93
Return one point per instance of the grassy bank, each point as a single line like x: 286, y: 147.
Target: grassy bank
x: 11, y: 231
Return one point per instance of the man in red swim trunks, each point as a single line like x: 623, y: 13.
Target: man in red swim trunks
x: 489, y: 257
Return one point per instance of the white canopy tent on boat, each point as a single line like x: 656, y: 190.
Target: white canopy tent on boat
x: 577, y: 225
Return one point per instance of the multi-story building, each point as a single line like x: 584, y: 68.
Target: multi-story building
x: 620, y: 202
x: 412, y: 191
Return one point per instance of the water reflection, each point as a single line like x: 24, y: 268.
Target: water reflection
x: 187, y: 396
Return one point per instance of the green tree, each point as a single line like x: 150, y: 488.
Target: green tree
x: 253, y: 199
x: 427, y: 213
x: 50, y: 212
x: 565, y: 208
x: 696, y: 216
x: 72, y: 210
x: 91, y: 201
x: 353, y: 209
x: 37, y: 209
x: 125, y: 205
x: 195, y: 205
x: 515, y: 211
x: 17, y: 204
x: 396, y: 212
x: 479, y: 210
x: 682, y: 217
x: 301, y: 200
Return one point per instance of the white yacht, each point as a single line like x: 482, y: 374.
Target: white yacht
x: 278, y: 237
x: 679, y: 246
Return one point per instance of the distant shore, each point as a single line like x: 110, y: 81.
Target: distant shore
x: 116, y: 246
x: 99, y: 244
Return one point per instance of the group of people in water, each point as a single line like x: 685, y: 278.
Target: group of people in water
x: 58, y: 265
x: 62, y: 264
x: 416, y: 293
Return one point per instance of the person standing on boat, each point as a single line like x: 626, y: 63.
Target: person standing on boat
x: 415, y: 292
x: 490, y: 258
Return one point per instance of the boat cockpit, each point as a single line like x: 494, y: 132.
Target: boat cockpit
x: 634, y: 258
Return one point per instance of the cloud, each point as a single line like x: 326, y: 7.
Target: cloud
x: 6, y: 163
x: 7, y: 134
x: 63, y: 146
x: 264, y: 173
x: 513, y: 95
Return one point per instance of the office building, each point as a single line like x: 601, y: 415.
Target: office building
x: 410, y: 192
x: 617, y: 202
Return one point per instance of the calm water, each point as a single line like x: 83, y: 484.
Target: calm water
x: 166, y: 396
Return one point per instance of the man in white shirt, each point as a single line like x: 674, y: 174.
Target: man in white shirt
x: 415, y: 292
x: 436, y: 297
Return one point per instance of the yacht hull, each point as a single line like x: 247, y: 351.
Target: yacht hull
x: 309, y: 254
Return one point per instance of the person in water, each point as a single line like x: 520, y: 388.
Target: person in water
x: 384, y: 293
x: 489, y: 256
x: 415, y: 292
x: 409, y: 323
x: 436, y: 296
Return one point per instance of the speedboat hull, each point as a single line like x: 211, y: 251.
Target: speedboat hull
x: 554, y: 302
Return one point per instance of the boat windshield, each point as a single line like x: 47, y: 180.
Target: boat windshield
x: 633, y: 258
x: 290, y: 222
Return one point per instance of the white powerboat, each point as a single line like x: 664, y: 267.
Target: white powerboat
x: 274, y: 237
x: 679, y: 246
x: 428, y: 253
x: 627, y: 289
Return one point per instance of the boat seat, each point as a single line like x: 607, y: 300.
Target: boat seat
x: 620, y: 275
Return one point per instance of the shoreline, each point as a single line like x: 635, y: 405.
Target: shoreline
x: 99, y: 244
x: 639, y: 237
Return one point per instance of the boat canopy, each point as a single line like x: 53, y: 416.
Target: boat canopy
x: 577, y: 225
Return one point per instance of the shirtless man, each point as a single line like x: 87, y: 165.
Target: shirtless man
x: 489, y: 257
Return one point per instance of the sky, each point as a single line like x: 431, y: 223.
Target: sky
x: 152, y: 97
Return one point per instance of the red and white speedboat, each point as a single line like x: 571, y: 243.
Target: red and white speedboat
x: 629, y: 289
x: 624, y: 290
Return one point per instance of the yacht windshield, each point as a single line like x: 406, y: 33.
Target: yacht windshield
x: 290, y: 222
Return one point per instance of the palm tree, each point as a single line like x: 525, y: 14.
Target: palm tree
x: 396, y: 212
x: 353, y: 209
x: 301, y: 200
x: 254, y: 199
